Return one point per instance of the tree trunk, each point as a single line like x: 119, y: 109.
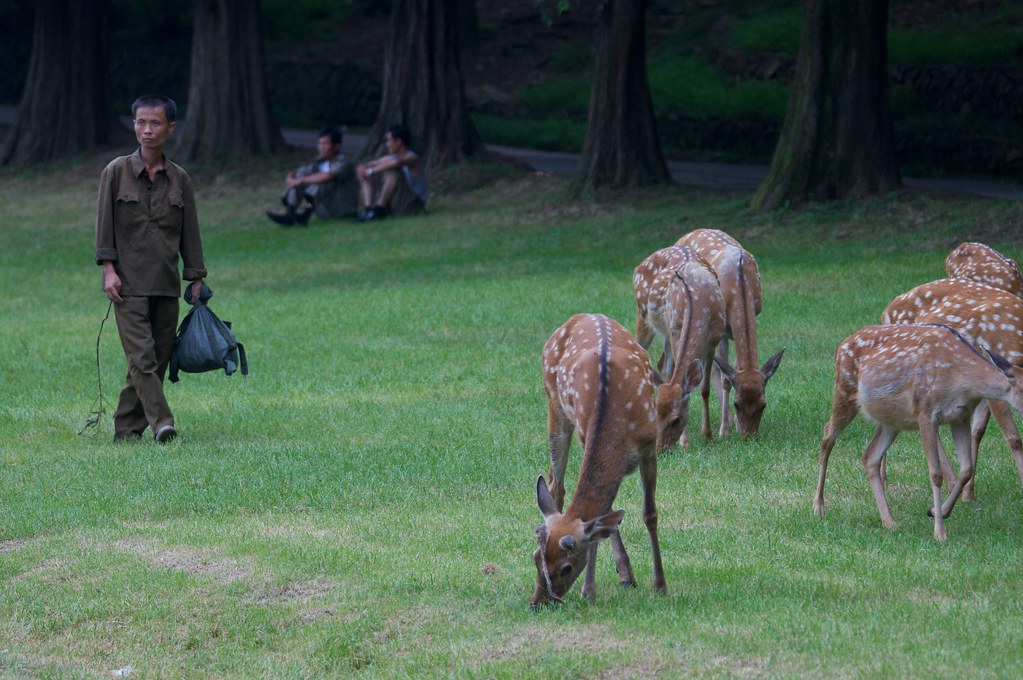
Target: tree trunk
x: 838, y: 139
x: 229, y: 112
x: 468, y: 24
x: 621, y: 148
x: 423, y: 85
x: 65, y: 108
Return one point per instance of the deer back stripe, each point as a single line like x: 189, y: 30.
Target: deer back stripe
x: 963, y: 340
x: 604, y: 345
x: 749, y: 321
x: 687, y: 325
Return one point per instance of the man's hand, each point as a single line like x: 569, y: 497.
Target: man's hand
x: 196, y: 289
x: 111, y: 283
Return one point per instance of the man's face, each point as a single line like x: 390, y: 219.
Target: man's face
x: 391, y: 143
x: 327, y: 148
x: 151, y: 127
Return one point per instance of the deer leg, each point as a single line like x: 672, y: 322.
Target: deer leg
x: 963, y: 439
x: 929, y: 436
x: 872, y: 457
x: 981, y: 417
x: 622, y: 564
x: 559, y: 433
x: 589, y: 589
x: 946, y: 469
x: 708, y: 364
x: 648, y: 478
x: 842, y: 413
x: 723, y: 386
x: 1003, y: 416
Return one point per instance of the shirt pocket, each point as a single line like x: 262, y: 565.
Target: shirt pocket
x: 128, y: 208
x: 173, y: 210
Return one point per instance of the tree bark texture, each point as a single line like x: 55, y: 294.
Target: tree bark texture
x: 65, y: 108
x: 621, y: 148
x: 423, y: 85
x: 468, y: 24
x: 838, y: 139
x: 229, y: 114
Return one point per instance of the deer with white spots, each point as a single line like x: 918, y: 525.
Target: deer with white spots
x: 678, y: 299
x: 987, y: 317
x: 914, y: 378
x: 599, y: 383
x: 982, y: 263
x: 739, y: 279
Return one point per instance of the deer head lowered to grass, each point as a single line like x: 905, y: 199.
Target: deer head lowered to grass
x: 914, y: 378
x: 600, y: 384
x: 678, y: 299
x: 988, y: 318
x: 739, y: 278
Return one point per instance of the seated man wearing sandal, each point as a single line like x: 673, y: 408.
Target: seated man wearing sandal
x: 382, y: 175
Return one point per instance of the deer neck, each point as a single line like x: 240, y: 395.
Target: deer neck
x: 684, y: 344
x: 600, y: 476
x: 742, y: 316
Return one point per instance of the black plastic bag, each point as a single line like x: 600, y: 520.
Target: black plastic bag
x: 204, y: 342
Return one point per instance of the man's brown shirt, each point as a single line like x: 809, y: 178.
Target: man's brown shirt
x: 143, y: 225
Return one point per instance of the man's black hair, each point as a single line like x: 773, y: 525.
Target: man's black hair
x: 332, y: 132
x: 170, y: 109
x: 401, y: 131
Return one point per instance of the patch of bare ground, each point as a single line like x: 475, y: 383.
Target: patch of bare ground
x: 205, y: 563
x: 50, y: 571
x: 12, y: 545
x: 590, y: 639
x: 293, y: 592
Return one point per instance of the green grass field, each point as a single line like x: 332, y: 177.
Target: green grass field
x: 362, y: 504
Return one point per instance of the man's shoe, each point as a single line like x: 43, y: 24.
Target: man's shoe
x: 368, y: 214
x: 165, y: 434
x: 379, y: 211
x: 285, y: 220
x: 302, y: 218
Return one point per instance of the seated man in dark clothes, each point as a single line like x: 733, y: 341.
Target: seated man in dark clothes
x: 326, y: 186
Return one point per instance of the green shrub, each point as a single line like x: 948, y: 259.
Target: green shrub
x: 997, y: 40
x: 769, y: 31
x: 549, y: 134
x: 693, y: 87
x: 568, y: 95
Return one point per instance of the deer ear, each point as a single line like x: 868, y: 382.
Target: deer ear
x: 602, y: 527
x: 771, y: 365
x: 544, y: 499
x: 725, y: 368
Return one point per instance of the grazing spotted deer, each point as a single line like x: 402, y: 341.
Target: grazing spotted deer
x: 599, y: 382
x: 678, y: 299
x: 984, y: 264
x: 990, y: 319
x: 739, y: 279
x: 914, y: 378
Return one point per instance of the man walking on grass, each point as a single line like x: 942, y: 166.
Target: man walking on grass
x: 145, y: 221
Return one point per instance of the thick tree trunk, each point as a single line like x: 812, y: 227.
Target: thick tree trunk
x: 838, y: 139
x: 621, y: 147
x: 468, y: 24
x: 229, y: 112
x: 65, y: 109
x: 423, y: 85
